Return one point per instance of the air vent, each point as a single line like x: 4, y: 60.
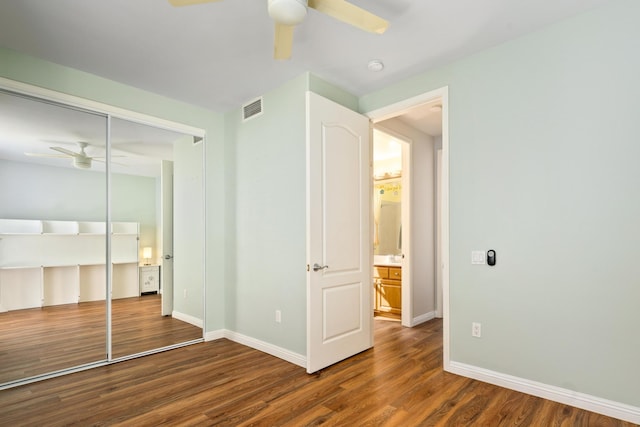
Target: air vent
x: 252, y: 109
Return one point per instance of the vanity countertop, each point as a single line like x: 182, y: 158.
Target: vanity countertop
x: 385, y: 261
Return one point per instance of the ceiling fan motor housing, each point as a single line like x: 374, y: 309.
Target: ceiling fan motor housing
x: 288, y: 12
x: 82, y: 162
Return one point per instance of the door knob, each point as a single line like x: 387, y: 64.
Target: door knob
x: 168, y: 257
x: 318, y: 267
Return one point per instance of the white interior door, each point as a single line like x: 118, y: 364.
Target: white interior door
x: 166, y: 272
x: 339, y: 287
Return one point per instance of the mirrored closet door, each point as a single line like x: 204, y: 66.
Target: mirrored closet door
x: 52, y: 237
x: 151, y: 169
x: 101, y: 238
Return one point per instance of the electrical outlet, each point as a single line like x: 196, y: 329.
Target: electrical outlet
x: 278, y: 316
x: 476, y: 330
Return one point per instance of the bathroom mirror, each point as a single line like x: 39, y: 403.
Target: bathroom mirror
x: 387, y: 217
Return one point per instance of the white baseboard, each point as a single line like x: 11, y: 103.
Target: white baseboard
x: 214, y: 335
x: 557, y: 394
x: 279, y: 352
x: 187, y: 318
x: 423, y: 318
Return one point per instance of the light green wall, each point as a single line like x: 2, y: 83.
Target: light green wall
x: 544, y: 169
x: 269, y: 256
x: 332, y: 92
x: 268, y: 190
x: 31, y: 191
x: 188, y: 239
x: 22, y: 68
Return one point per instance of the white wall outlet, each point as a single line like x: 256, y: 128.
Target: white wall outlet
x: 478, y: 257
x: 476, y: 330
x: 278, y: 316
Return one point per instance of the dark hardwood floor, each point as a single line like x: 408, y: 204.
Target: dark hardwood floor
x: 400, y: 382
x: 41, y: 340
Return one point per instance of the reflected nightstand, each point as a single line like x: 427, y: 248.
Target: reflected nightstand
x: 149, y: 279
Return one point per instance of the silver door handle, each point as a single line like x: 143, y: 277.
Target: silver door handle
x: 168, y: 257
x: 318, y: 267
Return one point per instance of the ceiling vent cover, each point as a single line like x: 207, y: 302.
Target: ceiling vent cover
x: 252, y: 109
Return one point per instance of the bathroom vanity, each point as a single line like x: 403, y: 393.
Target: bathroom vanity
x: 387, y: 285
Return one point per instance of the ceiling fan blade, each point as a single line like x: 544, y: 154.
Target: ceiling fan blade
x: 57, y: 156
x: 104, y: 157
x: 113, y: 163
x: 283, y: 42
x: 350, y: 14
x: 177, y: 3
x: 65, y: 151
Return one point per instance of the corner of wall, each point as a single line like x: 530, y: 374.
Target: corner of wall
x: 332, y: 92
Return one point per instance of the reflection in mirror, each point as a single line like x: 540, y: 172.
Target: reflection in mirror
x: 387, y: 194
x: 155, y: 178
x: 56, y: 278
x: 387, y: 217
x: 52, y: 238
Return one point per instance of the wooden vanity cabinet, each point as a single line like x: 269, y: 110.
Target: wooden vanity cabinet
x: 387, y: 284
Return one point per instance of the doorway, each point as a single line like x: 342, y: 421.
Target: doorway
x: 392, y: 236
x: 422, y: 120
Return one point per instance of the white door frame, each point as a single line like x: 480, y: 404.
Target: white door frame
x: 397, y: 109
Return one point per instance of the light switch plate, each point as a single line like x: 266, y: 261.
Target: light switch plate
x: 478, y: 257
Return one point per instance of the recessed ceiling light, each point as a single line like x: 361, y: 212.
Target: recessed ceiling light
x: 375, y: 65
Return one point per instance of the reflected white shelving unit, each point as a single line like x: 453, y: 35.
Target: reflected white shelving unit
x: 63, y: 262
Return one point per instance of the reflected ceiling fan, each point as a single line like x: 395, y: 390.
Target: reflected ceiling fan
x: 289, y: 13
x: 81, y: 160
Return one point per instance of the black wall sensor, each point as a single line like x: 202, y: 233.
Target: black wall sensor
x: 491, y: 257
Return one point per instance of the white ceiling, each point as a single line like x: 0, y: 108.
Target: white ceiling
x: 427, y: 118
x: 219, y: 55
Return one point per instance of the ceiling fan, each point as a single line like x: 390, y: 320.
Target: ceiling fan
x: 80, y: 160
x: 289, y: 13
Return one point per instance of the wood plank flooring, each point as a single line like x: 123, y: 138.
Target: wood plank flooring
x: 400, y: 382
x: 41, y: 340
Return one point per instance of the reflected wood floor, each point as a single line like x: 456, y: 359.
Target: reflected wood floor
x: 40, y: 340
x: 398, y: 383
